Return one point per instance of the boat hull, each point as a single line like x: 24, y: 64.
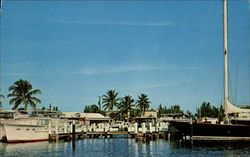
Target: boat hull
x: 207, y: 129
x: 2, y: 133
x: 239, y: 121
x: 25, y: 133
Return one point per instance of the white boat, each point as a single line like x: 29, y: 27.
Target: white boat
x: 8, y: 117
x: 30, y: 129
x: 27, y: 130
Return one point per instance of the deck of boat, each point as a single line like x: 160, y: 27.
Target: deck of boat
x: 219, y: 138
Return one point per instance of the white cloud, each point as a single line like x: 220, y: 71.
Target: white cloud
x: 103, y: 70
x: 118, y: 23
x: 154, y: 85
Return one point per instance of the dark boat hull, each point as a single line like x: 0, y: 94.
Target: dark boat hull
x: 207, y: 129
x: 238, y: 121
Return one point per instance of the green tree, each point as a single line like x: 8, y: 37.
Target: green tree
x: 110, y: 100
x: 135, y: 112
x: 126, y: 106
x: 143, y: 103
x: 22, y: 93
x: 91, y: 109
x: 172, y: 109
x: 160, y: 111
x: 207, y: 110
x: 43, y: 108
x: 221, y: 113
x: 189, y: 113
x: 176, y: 109
x: 115, y: 115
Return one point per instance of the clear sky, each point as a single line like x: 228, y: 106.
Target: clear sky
x: 170, y: 50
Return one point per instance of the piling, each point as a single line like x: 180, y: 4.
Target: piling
x: 73, y: 131
x: 139, y: 137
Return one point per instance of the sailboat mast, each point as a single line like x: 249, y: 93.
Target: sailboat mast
x: 226, y: 100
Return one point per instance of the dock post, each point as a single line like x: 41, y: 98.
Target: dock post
x: 160, y: 126
x: 106, y: 128
x: 90, y: 128
x: 191, y: 130
x: 143, y: 128
x: 136, y: 128
x: 150, y: 128
x: 94, y: 127
x: 157, y: 127
x: 65, y: 128
x: 71, y: 127
x: 73, y: 131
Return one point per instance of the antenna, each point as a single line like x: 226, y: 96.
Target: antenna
x: 100, y: 102
x: 236, y: 80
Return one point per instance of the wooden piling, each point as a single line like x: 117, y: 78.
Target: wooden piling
x: 73, y: 132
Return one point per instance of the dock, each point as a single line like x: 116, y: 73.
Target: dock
x: 137, y: 136
x: 219, y: 138
x: 215, y: 141
x: 142, y: 133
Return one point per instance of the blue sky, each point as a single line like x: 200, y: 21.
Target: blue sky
x: 171, y: 50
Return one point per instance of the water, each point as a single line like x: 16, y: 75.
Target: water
x: 118, y: 148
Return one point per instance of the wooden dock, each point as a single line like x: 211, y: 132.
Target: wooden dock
x: 215, y: 141
x: 138, y: 136
x: 218, y: 138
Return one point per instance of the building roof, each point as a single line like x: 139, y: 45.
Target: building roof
x: 152, y: 110
x: 8, y: 111
x: 96, y: 116
x: 143, y: 117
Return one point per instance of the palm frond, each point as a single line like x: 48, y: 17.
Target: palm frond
x: 32, y: 104
x: 14, y: 100
x: 16, y: 104
x: 35, y: 99
x: 2, y: 96
x: 37, y: 91
x: 12, y: 95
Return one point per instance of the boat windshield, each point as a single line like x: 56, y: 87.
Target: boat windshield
x: 6, y: 115
x: 43, y: 122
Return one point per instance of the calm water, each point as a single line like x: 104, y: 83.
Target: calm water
x: 119, y: 147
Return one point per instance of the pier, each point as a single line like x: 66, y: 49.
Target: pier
x: 137, y: 136
x: 105, y: 130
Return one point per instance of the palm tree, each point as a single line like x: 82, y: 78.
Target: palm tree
x: 1, y: 103
x: 115, y: 115
x: 143, y: 103
x: 126, y: 105
x: 22, y: 93
x: 110, y: 100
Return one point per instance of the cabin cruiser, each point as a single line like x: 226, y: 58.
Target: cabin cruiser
x: 17, y: 127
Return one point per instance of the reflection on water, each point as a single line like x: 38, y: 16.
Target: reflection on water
x: 120, y: 147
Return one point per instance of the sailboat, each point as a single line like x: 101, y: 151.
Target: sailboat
x: 235, y: 128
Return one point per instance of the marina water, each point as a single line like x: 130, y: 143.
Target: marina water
x: 121, y: 147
